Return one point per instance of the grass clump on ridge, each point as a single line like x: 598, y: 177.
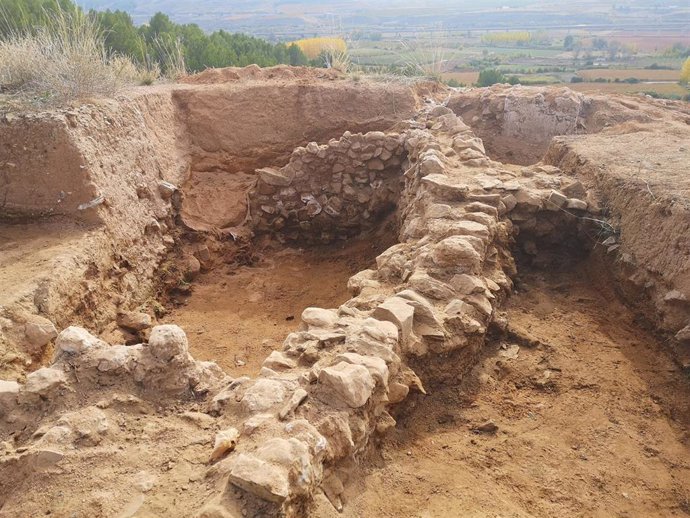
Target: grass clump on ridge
x: 61, y: 61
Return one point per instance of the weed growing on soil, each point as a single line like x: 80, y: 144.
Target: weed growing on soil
x: 63, y: 61
x: 427, y: 61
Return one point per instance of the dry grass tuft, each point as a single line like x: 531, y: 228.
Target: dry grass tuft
x: 64, y: 61
x: 338, y: 60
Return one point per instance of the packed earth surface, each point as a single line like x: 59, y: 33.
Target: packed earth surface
x: 289, y: 292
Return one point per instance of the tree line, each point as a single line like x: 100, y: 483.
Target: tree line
x: 154, y: 42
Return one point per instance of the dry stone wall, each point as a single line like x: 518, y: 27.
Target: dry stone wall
x: 331, y: 191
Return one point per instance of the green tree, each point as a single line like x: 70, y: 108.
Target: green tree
x: 157, y: 41
x: 599, y: 44
x: 27, y: 15
x: 569, y: 42
x: 120, y: 34
x: 490, y: 76
x: 296, y: 56
x: 158, y: 24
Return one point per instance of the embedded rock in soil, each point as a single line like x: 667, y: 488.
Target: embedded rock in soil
x: 352, y: 383
x: 167, y: 342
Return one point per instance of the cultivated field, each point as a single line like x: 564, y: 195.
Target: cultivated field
x: 638, y: 73
x: 663, y: 89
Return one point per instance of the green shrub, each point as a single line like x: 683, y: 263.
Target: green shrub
x: 490, y: 76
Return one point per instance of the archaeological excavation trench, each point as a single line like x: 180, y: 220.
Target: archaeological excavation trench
x: 284, y: 292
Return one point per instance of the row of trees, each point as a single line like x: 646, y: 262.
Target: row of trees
x: 154, y: 44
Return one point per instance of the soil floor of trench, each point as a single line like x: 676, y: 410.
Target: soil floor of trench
x: 236, y: 316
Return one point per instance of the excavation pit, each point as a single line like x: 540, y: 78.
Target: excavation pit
x: 236, y: 315
x: 392, y: 309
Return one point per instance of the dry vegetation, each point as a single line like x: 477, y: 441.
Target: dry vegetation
x: 465, y: 78
x: 64, y: 61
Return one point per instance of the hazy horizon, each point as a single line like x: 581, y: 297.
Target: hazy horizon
x: 292, y: 17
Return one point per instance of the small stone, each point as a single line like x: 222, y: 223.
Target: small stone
x: 43, y: 459
x: 225, y: 442
x: 384, y: 423
x: 431, y: 164
x: 44, y: 381
x: 509, y: 201
x: 467, y: 284
x: 481, y: 303
x: 376, y: 366
x: 381, y: 330
x: 528, y: 200
x: 190, y: 267
x: 39, y: 331
x: 298, y: 396
x: 144, y: 481
x: 279, y: 361
x: 168, y: 341
x: 430, y: 287
x: 476, y: 144
x: 352, y: 383
x: 576, y: 204
x: 263, y: 395
x: 273, y: 177
x: 675, y: 296
x: 134, y: 320
x: 447, y: 188
x: 376, y: 164
x: 8, y: 393
x: 484, y: 208
x: 556, y: 200
x: 255, y: 422
x: 575, y: 190
x: 115, y: 357
x: 425, y: 319
x: 166, y: 189
x: 489, y: 427
x: 76, y: 340
x: 439, y: 210
x: 510, y: 351
x: 313, y: 208
x: 457, y: 252
x: 397, y: 392
x: 260, y: 478
x: 318, y: 317
x: 399, y: 312
x: 684, y: 334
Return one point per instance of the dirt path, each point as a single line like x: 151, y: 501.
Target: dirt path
x: 592, y: 422
x: 237, y: 315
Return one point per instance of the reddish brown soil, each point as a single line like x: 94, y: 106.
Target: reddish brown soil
x: 593, y: 422
x: 237, y: 315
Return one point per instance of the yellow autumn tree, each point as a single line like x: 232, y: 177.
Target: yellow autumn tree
x: 313, y: 47
x: 685, y: 72
x: 507, y: 37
